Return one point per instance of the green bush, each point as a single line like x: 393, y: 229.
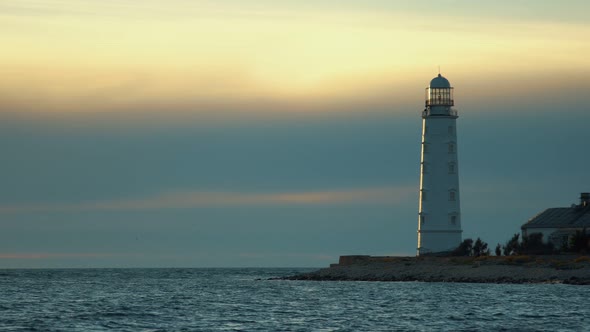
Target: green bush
x: 511, y: 247
x: 480, y: 248
x: 533, y: 245
x: 464, y: 249
x: 469, y: 248
x: 579, y: 242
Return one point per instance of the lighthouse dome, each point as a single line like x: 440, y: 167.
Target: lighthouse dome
x: 440, y: 82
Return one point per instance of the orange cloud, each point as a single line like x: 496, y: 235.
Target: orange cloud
x: 183, y: 200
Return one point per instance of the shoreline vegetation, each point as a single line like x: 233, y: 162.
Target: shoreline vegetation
x: 526, y: 260
x: 516, y: 269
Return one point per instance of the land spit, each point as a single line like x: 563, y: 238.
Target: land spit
x: 566, y: 269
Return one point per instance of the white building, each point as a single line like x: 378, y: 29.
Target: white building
x: 439, y: 217
x: 558, y: 224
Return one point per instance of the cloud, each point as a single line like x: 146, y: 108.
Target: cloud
x: 217, y: 57
x: 54, y: 255
x: 198, y: 199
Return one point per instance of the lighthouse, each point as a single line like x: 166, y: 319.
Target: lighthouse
x: 439, y: 211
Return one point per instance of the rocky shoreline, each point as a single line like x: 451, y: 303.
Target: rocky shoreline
x: 566, y: 269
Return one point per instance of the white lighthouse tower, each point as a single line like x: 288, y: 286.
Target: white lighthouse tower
x: 439, y: 217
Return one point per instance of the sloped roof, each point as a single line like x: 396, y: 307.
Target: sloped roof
x: 572, y: 217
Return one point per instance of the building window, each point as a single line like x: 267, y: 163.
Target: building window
x: 452, y: 169
x: 451, y: 147
x: 453, y: 220
x: 452, y: 195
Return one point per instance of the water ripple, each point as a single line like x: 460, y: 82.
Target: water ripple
x: 244, y: 300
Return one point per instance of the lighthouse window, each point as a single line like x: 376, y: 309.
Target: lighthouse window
x: 451, y: 148
x: 439, y: 96
x: 451, y: 195
x: 453, y: 220
x: 451, y: 168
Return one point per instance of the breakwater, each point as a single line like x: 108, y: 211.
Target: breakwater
x: 567, y: 269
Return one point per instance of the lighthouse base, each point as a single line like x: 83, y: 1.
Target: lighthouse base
x: 430, y: 242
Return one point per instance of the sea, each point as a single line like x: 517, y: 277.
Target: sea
x: 244, y: 299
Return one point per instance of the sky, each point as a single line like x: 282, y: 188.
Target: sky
x: 236, y: 133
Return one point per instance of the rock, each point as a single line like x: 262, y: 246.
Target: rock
x: 440, y: 269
